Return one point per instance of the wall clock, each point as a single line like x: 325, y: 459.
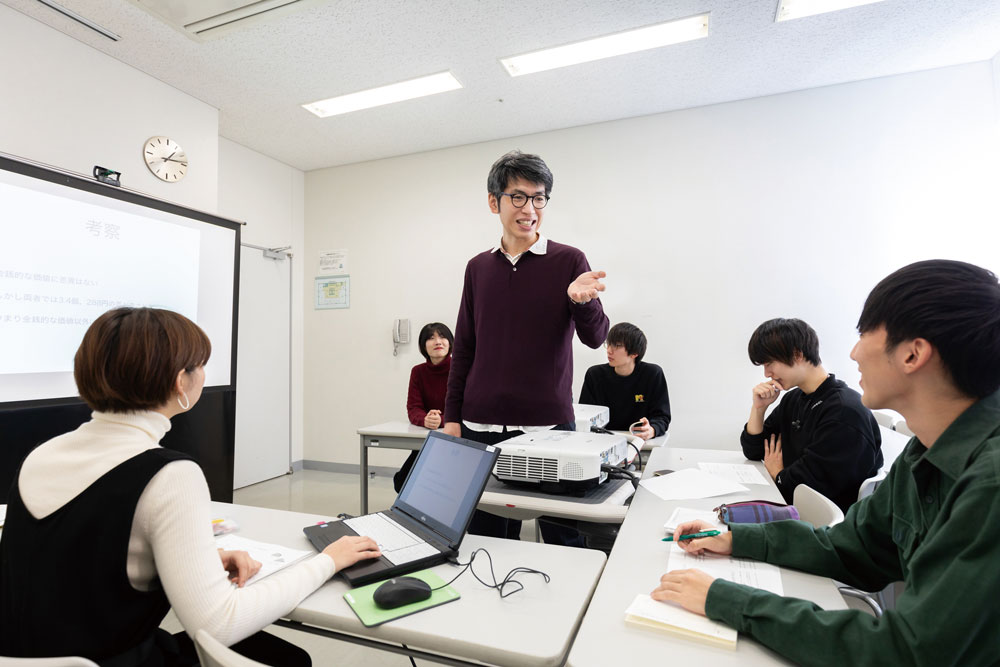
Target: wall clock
x: 165, y: 158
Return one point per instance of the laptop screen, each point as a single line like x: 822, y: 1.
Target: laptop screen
x: 446, y: 483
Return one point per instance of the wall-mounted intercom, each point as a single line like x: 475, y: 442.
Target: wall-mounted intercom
x: 400, y: 334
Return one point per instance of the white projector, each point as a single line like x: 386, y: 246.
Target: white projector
x: 587, y: 416
x: 559, y: 461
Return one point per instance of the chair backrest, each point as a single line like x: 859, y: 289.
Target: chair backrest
x: 67, y: 661
x: 869, y: 485
x: 884, y: 418
x: 815, y: 508
x: 893, y: 444
x: 212, y: 653
x: 901, y: 427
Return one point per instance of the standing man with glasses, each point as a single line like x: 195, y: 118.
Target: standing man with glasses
x: 512, y: 365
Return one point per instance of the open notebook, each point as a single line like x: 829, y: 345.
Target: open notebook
x: 645, y: 612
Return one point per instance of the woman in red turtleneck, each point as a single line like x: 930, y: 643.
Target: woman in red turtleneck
x: 428, y: 384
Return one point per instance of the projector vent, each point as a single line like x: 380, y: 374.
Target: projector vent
x: 573, y: 471
x: 532, y: 468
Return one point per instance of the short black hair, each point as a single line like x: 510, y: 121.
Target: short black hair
x: 955, y: 306
x: 514, y: 165
x: 631, y: 337
x: 779, y: 339
x: 431, y: 329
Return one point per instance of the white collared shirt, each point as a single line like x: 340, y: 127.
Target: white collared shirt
x: 539, y: 247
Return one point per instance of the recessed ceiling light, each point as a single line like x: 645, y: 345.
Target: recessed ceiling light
x: 796, y: 9
x: 630, y: 41
x: 375, y: 97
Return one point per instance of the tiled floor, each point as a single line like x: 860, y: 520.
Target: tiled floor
x: 327, y: 493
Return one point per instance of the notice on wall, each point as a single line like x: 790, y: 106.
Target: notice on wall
x: 333, y: 263
x: 333, y: 292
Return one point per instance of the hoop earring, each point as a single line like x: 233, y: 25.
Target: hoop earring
x: 187, y: 401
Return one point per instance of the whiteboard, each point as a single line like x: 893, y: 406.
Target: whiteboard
x: 262, y: 369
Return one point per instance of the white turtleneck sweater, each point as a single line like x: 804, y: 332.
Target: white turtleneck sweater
x: 171, y: 536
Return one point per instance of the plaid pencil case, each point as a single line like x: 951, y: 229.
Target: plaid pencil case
x: 755, y: 511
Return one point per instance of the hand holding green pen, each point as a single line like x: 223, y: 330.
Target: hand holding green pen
x: 704, y: 533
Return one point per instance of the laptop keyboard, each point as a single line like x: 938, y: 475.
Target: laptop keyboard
x: 396, y: 543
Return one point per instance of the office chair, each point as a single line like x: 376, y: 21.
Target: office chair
x: 815, y: 508
x: 213, y: 654
x: 901, y: 427
x: 884, y: 418
x: 893, y: 444
x: 66, y: 661
x: 869, y: 485
x: 820, y: 511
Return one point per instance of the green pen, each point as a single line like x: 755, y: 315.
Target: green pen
x: 704, y: 533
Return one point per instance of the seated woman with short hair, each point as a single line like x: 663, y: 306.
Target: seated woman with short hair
x: 428, y: 385
x: 106, y: 530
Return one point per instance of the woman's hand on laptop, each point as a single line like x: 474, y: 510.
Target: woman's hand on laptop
x: 240, y: 566
x: 349, y: 549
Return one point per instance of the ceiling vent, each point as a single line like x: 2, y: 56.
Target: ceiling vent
x: 204, y: 20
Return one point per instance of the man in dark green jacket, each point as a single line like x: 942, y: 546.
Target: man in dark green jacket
x: 929, y: 349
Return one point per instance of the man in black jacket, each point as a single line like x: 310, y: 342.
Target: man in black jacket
x: 631, y: 389
x: 820, y: 434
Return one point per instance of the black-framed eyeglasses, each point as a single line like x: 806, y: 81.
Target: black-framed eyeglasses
x: 519, y: 200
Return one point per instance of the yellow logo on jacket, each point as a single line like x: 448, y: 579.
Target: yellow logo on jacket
x: 639, y: 398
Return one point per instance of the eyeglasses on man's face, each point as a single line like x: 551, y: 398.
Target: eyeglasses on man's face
x: 519, y: 200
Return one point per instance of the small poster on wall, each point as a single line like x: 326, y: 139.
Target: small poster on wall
x: 333, y: 263
x: 333, y: 292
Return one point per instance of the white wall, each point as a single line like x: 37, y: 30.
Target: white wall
x: 996, y: 82
x: 71, y: 106
x: 268, y: 195
x: 708, y: 221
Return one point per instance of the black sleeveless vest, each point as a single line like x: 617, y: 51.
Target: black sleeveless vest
x: 64, y: 589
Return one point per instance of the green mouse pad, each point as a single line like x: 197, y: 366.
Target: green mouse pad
x: 360, y: 600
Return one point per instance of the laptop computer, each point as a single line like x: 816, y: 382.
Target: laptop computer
x: 426, y: 524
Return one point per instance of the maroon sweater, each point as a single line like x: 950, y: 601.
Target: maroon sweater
x: 428, y: 384
x: 513, y: 355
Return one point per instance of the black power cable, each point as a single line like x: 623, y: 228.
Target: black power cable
x: 507, y: 580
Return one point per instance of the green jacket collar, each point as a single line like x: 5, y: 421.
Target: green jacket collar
x: 954, y: 449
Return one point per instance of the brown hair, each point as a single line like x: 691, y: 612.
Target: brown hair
x: 130, y: 357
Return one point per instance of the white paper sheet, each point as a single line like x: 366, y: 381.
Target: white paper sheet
x: 685, y: 514
x: 691, y: 483
x: 738, y: 570
x: 741, y: 473
x: 272, y: 557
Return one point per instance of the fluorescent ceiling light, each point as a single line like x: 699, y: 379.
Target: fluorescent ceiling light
x: 375, y: 97
x: 640, y: 39
x: 796, y: 9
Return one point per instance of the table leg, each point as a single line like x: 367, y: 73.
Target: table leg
x: 364, y: 475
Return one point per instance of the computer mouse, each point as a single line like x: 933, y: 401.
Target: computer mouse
x: 399, y: 591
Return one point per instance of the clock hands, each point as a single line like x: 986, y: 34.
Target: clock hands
x: 159, y: 152
x: 170, y: 157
